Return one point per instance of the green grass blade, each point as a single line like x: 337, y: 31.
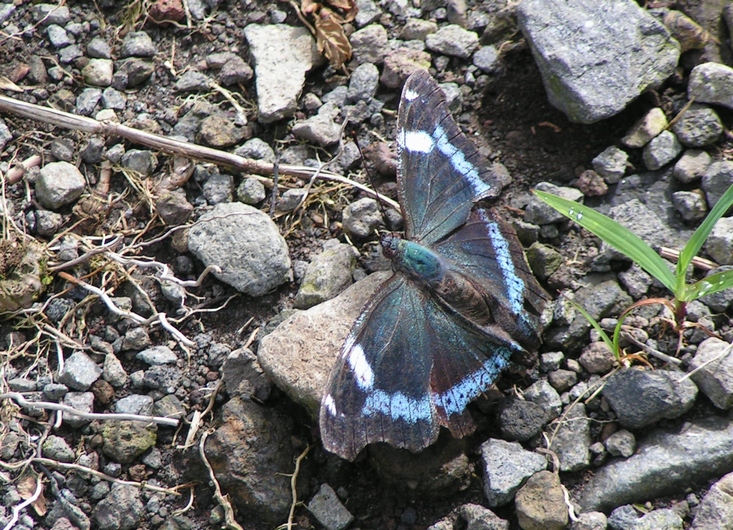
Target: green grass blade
x: 593, y: 322
x: 712, y: 284
x: 615, y: 235
x: 697, y: 240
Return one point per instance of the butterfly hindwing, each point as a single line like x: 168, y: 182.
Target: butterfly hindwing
x: 440, y: 172
x: 379, y: 389
x: 487, y: 251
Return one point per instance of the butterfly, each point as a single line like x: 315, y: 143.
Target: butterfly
x: 460, y: 303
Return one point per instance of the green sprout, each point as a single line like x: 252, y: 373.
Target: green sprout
x: 632, y: 246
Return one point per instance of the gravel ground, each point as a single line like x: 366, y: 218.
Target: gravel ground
x: 190, y: 310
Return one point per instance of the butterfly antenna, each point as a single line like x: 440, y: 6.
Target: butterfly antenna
x: 370, y: 176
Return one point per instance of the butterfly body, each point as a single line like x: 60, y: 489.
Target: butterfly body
x: 460, y: 304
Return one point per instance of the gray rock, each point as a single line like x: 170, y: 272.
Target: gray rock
x: 507, y: 466
x: 47, y: 14
x: 648, y: 127
x: 453, y: 40
x: 661, y: 150
x: 596, y: 358
x: 711, y: 83
x: 636, y: 281
x: 282, y: 56
x: 601, y: 297
x: 664, y: 519
x: 327, y: 508
x: 157, y: 355
x: 173, y: 207
x: 247, y: 246
x: 250, y: 454
x: 251, y: 191
x: 571, y: 42
x: 291, y: 199
x: 521, y: 420
x: 5, y: 135
x: 717, y: 179
x: 219, y: 188
x: 122, y: 509
x: 642, y: 221
x: 718, y: 302
x: 361, y: 218
x: 69, y: 54
x: 417, y: 29
x: 140, y: 160
x: 328, y: 274
x: 691, y: 205
x: 369, y: 45
x: 715, y: 512
x: 368, y: 12
x: 621, y: 443
x: 134, y: 404
x: 243, y: 375
x: 486, y: 59
x: 363, y: 83
x: 590, y: 521
x: 98, y: 72
x: 543, y: 394
x: 256, y: 149
x: 162, y: 377
x: 98, y: 48
x: 192, y: 81
x: 135, y: 339
x: 81, y: 401
x: 56, y: 448
x: 698, y: 126
x: 132, y: 73
x: 87, y: 101
x: 219, y: 131
x: 691, y: 166
x: 572, y: 439
x: 54, y: 391
x: 719, y: 244
x: 476, y: 517
x: 550, y: 361
x: 235, y: 71
x: 400, y: 63
x: 539, y: 213
x: 137, y: 44
x: 641, y: 398
x: 540, y: 503
x: 611, y: 164
x: 124, y: 441
x: 169, y: 407
x: 712, y: 371
x: 321, y: 128
x: 6, y: 10
x: 299, y: 354
x: 113, y: 99
x: 57, y: 36
x: 79, y: 371
x: 113, y: 372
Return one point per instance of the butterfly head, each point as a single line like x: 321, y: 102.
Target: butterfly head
x: 390, y: 245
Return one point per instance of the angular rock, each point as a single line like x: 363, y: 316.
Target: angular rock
x: 661, y: 150
x: 79, y: 372
x: 98, y: 72
x: 611, y: 164
x: 453, y: 40
x: 691, y: 205
x: 719, y: 244
x: 157, y: 355
x: 251, y: 191
x: 507, y: 466
x: 571, y: 42
x: 327, y: 508
x: 699, y: 126
x: 717, y: 179
x: 137, y: 44
x: 640, y: 397
x: 691, y: 166
x: 540, y: 503
x: 712, y: 371
x: 282, y: 56
x: 251, y: 453
x: 327, y: 275
x: 243, y: 375
x: 125, y: 440
x: 59, y: 183
x: 400, y: 63
x: 299, y: 354
x: 715, y: 512
x: 363, y: 83
x: 121, y: 509
x: 369, y: 44
x: 621, y: 443
x: 81, y: 401
x: 56, y: 447
x: 711, y: 83
x: 321, y: 128
x: 572, y: 440
x: 361, y: 218
x: 247, y: 246
x: 651, y: 125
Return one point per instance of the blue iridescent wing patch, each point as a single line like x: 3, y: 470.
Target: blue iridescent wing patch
x: 462, y: 301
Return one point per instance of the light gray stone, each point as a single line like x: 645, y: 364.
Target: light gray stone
x: 611, y: 164
x: 691, y: 166
x: 282, y: 56
x: 361, y: 218
x: 79, y: 371
x: 719, y: 244
x: 81, y: 401
x: 245, y: 244
x: 717, y: 179
x: 507, y: 466
x: 715, y: 512
x: 661, y: 150
x: 699, y: 126
x: 157, y: 355
x: 137, y: 44
x: 328, y: 274
x: 691, y: 205
x: 369, y: 45
x: 648, y: 127
x: 453, y: 40
x: 712, y: 371
x: 98, y: 72
x: 327, y: 508
x: 711, y: 83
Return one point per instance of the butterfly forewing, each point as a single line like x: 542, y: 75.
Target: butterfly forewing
x: 440, y: 172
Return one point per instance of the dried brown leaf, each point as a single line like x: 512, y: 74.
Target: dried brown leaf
x: 331, y: 39
x: 7, y: 84
x: 26, y: 487
x: 348, y: 7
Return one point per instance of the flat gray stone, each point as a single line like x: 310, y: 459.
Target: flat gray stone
x: 327, y: 508
x: 715, y: 512
x: 328, y: 274
x: 247, y: 246
x: 711, y: 83
x: 664, y: 463
x: 712, y: 371
x: 661, y: 150
x: 157, y: 355
x: 282, y: 56
x: 719, y: 244
x: 79, y: 371
x: 572, y: 41
x: 453, y: 40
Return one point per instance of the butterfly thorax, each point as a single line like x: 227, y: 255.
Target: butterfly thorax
x: 419, y: 263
